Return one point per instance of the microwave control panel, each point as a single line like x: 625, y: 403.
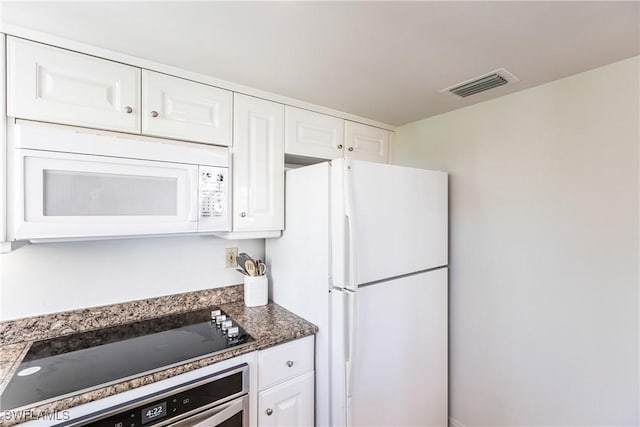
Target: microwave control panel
x: 213, y: 198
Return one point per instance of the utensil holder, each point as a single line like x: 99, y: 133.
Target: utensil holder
x: 256, y: 291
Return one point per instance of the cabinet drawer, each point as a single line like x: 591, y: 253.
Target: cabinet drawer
x: 285, y: 361
x: 56, y: 85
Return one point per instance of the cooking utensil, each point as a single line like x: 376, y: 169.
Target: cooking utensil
x: 242, y: 270
x: 250, y: 266
x: 242, y: 259
x: 247, y: 256
x: 261, y: 267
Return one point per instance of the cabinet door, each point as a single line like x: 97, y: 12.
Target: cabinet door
x: 258, y: 164
x: 55, y: 85
x: 313, y: 134
x: 366, y: 142
x: 289, y: 404
x: 178, y: 108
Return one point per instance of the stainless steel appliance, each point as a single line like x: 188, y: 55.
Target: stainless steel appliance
x: 220, y: 399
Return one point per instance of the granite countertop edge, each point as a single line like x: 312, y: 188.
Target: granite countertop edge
x: 269, y: 325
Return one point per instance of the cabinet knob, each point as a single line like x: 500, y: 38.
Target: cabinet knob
x: 128, y: 110
x: 269, y: 411
x: 290, y: 363
x: 243, y: 214
x: 154, y: 114
x: 340, y: 146
x: 350, y: 148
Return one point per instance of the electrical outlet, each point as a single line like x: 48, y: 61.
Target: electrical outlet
x: 230, y: 255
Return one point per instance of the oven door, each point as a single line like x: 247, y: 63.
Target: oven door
x: 231, y: 414
x: 66, y: 195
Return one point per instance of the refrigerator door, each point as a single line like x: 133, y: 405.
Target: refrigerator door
x: 338, y: 359
x: 399, y: 217
x: 400, y: 375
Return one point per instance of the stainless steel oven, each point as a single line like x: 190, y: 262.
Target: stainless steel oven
x: 217, y: 400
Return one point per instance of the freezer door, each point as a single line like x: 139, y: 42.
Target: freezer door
x: 400, y: 365
x: 399, y: 219
x: 340, y: 249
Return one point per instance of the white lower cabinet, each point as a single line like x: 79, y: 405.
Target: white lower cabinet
x: 286, y: 385
x: 289, y: 404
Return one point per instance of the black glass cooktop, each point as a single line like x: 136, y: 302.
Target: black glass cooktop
x: 83, y: 361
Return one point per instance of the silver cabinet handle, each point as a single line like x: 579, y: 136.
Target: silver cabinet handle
x: 128, y: 110
x: 290, y: 363
x: 269, y: 412
x: 154, y: 114
x: 340, y: 146
x: 243, y: 214
x: 350, y: 148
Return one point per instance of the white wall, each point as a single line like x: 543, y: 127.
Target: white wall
x: 52, y: 277
x: 544, y: 255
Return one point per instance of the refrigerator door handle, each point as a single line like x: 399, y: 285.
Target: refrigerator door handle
x: 352, y: 283
x: 352, y: 310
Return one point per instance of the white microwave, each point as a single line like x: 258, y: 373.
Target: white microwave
x: 68, y: 183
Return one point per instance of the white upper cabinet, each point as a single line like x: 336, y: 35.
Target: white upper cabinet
x: 258, y: 164
x: 182, y: 109
x: 55, y: 85
x: 366, y: 142
x: 313, y: 134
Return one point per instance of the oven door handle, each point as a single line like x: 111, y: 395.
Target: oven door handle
x: 214, y: 416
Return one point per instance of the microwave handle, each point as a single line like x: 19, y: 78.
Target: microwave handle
x: 194, y: 191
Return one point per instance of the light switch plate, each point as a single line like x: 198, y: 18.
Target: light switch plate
x: 230, y: 255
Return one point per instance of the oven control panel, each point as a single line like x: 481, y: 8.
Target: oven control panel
x: 180, y: 403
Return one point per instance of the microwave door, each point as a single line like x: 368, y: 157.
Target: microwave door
x: 64, y: 195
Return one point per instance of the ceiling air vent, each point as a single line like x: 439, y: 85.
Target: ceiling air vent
x: 483, y: 83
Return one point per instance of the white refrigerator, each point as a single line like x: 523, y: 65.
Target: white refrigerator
x: 364, y: 257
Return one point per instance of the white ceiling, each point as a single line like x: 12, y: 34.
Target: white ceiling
x: 385, y: 61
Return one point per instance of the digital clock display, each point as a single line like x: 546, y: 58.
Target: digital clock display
x: 154, y: 412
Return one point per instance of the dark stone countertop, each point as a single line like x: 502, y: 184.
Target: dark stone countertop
x: 269, y: 325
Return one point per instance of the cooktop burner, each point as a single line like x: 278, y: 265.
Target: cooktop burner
x: 69, y: 364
